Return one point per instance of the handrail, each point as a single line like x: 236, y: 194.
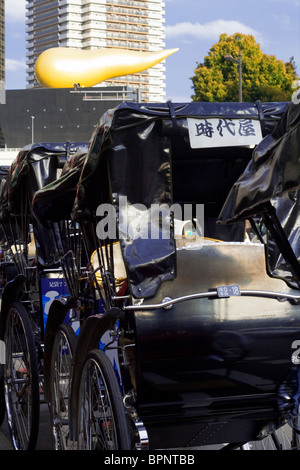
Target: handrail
x: 168, y: 303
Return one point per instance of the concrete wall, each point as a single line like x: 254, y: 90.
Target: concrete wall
x: 8, y: 156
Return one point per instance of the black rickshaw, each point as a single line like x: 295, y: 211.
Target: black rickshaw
x: 186, y: 299
x: 31, y: 278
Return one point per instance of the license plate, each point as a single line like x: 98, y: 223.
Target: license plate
x: 228, y: 291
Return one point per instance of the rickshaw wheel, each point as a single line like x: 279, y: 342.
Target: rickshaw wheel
x: 102, y: 423
x: 59, y: 388
x: 21, y: 379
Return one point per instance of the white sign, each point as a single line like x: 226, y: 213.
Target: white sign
x: 223, y: 132
x: 2, y: 352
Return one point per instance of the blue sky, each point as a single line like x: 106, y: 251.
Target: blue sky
x: 191, y: 25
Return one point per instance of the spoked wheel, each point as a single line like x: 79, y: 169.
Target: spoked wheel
x: 59, y: 388
x: 21, y: 379
x: 102, y: 421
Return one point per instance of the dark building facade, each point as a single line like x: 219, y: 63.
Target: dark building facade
x: 53, y: 115
x: 2, y: 52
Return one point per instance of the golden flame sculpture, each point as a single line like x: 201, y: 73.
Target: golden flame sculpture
x: 62, y: 67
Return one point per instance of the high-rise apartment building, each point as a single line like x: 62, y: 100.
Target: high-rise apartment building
x: 2, y: 52
x: 128, y: 24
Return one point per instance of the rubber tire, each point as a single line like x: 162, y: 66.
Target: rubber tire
x: 17, y: 311
x: 110, y: 388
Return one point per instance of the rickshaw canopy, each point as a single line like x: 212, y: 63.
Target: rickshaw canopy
x: 145, y: 154
x: 270, y: 183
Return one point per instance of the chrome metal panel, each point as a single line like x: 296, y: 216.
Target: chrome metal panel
x: 215, y: 356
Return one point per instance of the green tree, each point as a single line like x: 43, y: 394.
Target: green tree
x: 263, y: 76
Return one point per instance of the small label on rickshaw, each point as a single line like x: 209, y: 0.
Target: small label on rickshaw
x: 228, y: 291
x: 223, y: 132
x: 2, y: 352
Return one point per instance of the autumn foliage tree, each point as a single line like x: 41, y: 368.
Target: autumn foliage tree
x: 264, y: 77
